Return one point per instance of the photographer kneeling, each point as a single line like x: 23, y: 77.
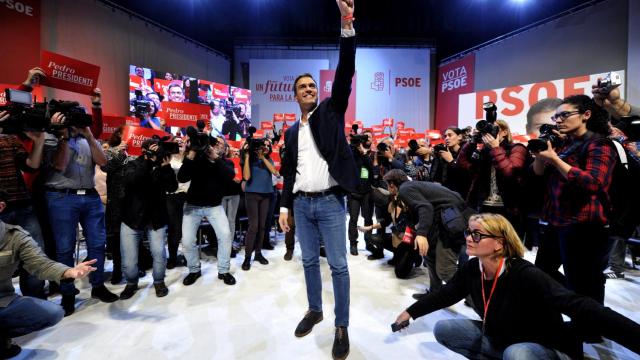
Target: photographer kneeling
x: 256, y: 171
x: 147, y: 180
x: 523, y: 306
x: 436, y: 218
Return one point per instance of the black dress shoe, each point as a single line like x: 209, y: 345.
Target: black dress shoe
x: 8, y: 349
x: 393, y: 261
x: 376, y: 255
x: 103, y: 294
x: 267, y: 246
x: 68, y: 304
x: 246, y: 264
x: 340, y: 349
x: 259, y: 258
x: 288, y: 255
x: 161, y: 289
x: 353, y: 249
x: 323, y: 252
x: 191, y: 278
x: 420, y: 296
x: 128, y: 291
x: 308, y: 321
x: 227, y: 278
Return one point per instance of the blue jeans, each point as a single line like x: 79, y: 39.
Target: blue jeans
x: 324, y: 218
x: 25, y: 217
x: 191, y: 222
x: 25, y: 315
x: 129, y: 243
x: 465, y: 337
x: 65, y: 211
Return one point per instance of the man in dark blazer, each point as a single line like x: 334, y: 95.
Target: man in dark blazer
x: 318, y: 168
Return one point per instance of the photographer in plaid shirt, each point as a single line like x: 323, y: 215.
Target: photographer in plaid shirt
x: 574, y: 216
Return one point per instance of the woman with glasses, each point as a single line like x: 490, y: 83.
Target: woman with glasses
x: 519, y: 305
x: 576, y: 206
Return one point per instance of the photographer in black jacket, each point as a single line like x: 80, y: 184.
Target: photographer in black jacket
x: 210, y: 178
x: 437, y: 217
x: 147, y: 180
x: 360, y: 200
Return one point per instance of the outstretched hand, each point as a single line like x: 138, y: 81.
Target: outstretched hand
x: 81, y: 270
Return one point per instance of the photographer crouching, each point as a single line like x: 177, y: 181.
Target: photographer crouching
x: 210, y: 177
x: 360, y: 201
x: 147, y: 180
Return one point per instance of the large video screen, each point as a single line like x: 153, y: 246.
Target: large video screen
x: 171, y: 102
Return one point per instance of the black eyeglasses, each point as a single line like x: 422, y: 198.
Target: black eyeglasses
x: 564, y: 115
x: 476, y: 235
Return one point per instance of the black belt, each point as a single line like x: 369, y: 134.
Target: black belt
x: 317, y: 194
x: 91, y: 191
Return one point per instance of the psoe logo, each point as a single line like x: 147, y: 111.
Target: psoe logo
x: 378, y: 81
x: 327, y: 85
x: 18, y: 6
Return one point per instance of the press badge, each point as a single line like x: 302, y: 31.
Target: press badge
x: 364, y: 173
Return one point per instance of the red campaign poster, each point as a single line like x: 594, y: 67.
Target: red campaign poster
x: 135, y: 136
x: 220, y: 91
x: 139, y: 83
x: 266, y: 125
x: 401, y: 142
x: 377, y: 128
x: 258, y: 134
x: 403, y: 133
x: 277, y: 162
x: 387, y: 122
x: 234, y: 144
x: 434, y: 134
x: 68, y: 73
x: 410, y: 130
x: 241, y: 95
x: 183, y: 114
x: 37, y: 93
x: 326, y: 84
x: 454, y: 78
x: 110, y: 124
x: 417, y: 136
x: 160, y: 86
x: 278, y: 117
x: 20, y: 38
x: 400, y: 125
x: 236, y: 168
x: 290, y: 117
x: 377, y: 138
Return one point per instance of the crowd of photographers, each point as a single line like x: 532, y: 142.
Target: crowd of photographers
x: 557, y: 194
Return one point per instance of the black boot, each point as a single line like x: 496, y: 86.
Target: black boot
x: 340, y: 349
x: 68, y: 304
x: 103, y: 294
x: 8, y: 349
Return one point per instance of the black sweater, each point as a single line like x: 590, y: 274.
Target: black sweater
x: 145, y: 193
x: 526, y: 307
x: 210, y: 180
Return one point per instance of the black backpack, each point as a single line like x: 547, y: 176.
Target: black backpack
x: 624, y: 196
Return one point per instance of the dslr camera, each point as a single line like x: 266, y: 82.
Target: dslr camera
x: 356, y: 139
x: 75, y: 115
x: 439, y: 147
x: 200, y: 142
x: 487, y: 126
x: 255, y: 144
x: 546, y: 134
x: 166, y: 147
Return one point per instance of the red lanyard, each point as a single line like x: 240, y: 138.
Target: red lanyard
x: 493, y: 287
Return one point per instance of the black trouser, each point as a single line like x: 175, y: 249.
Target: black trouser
x: 582, y: 251
x: 269, y: 221
x: 290, y: 237
x: 175, y: 203
x: 358, y: 203
x: 257, y: 206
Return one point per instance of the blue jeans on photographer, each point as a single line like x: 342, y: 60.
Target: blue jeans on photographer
x: 465, y: 337
x: 191, y: 222
x: 129, y: 245
x: 323, y: 220
x: 26, y: 314
x: 65, y: 211
x: 25, y: 217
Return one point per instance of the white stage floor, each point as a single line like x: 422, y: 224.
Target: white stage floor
x: 256, y: 318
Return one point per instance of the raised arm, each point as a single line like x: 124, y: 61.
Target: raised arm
x: 347, y: 61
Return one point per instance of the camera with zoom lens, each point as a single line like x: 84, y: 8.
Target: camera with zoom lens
x: 75, y: 115
x: 200, y: 142
x: 356, y: 139
x: 166, y: 147
x: 439, y: 147
x: 255, y: 144
x: 141, y: 106
x: 23, y: 114
x: 546, y: 134
x: 487, y: 126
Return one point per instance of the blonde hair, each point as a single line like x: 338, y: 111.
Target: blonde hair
x: 505, y: 126
x: 500, y: 227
